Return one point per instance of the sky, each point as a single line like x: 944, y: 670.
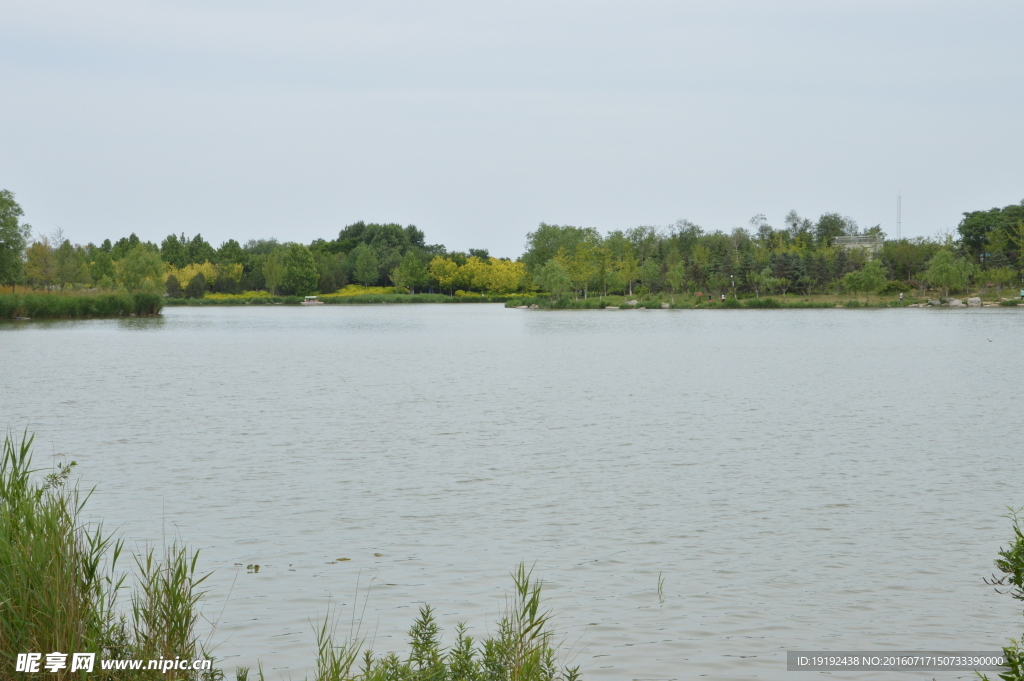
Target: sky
x: 477, y: 121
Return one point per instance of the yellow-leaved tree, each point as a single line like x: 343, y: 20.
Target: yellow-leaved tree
x: 444, y: 271
x: 474, y: 275
x: 505, y: 276
x: 187, y: 273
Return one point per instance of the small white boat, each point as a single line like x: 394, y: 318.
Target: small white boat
x: 311, y: 300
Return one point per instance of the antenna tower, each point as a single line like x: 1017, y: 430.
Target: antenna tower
x: 899, y: 216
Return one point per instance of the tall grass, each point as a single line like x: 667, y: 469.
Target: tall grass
x: 522, y: 649
x: 59, y: 582
x: 51, y: 306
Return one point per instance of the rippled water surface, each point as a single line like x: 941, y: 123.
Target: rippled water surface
x: 806, y: 479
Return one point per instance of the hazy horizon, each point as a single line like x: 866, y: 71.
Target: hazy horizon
x: 476, y: 123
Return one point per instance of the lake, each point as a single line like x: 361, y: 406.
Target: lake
x: 800, y: 479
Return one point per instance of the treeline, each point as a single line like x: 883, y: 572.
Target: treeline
x: 805, y: 256
x: 366, y: 254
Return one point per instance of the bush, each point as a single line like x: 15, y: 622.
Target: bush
x: 1008, y: 303
x: 762, y: 303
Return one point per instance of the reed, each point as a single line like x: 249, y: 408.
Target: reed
x: 522, y: 648
x: 59, y: 580
x: 52, y: 306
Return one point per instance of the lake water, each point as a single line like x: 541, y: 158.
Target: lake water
x: 805, y: 479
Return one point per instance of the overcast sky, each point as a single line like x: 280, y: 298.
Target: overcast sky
x: 476, y: 121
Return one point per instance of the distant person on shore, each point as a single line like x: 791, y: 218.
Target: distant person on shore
x: 723, y: 298
x: 901, y: 296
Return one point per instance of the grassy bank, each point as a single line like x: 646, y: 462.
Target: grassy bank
x: 79, y: 306
x: 360, y: 299
x: 60, y: 578
x: 687, y: 302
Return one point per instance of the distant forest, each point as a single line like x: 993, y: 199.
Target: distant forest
x: 800, y: 256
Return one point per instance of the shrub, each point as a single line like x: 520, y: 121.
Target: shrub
x: 762, y: 303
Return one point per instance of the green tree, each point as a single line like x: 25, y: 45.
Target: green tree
x: 69, y: 268
x: 330, y: 270
x: 544, y: 243
x: 230, y: 253
x: 676, y: 277
x: 584, y: 264
x: 628, y: 267
x: 173, y: 287
x: 141, y: 269
x: 121, y: 247
x: 650, y: 273
x: 174, y: 250
x: 13, y: 239
x: 869, y: 278
x: 410, y: 273
x: 831, y: 225
x: 555, y: 278
x: 943, y: 271
x: 1000, y: 277
x: 101, y: 267
x: 196, y: 287
x: 760, y: 281
x: 199, y: 250
x: 979, y: 227
x: 366, y: 270
x: 300, y: 274
x: 273, y: 270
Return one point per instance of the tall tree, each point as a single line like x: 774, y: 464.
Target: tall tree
x: 273, y: 270
x: 366, y: 270
x: 141, y: 269
x: 13, y: 239
x: 444, y: 271
x: 411, y: 273
x: 943, y: 271
x: 174, y: 250
x: 300, y: 275
x: 40, y: 265
x: 230, y: 253
x: 554, y: 277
